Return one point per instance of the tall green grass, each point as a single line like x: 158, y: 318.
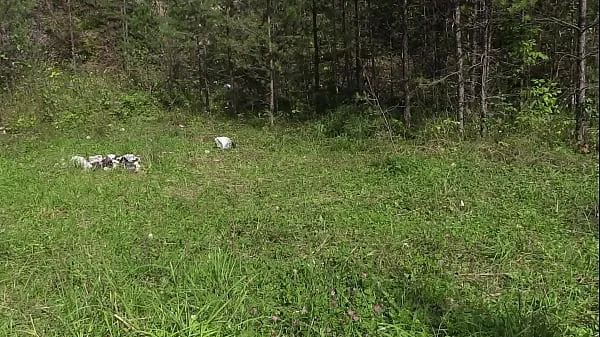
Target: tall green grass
x: 293, y: 234
x: 65, y: 100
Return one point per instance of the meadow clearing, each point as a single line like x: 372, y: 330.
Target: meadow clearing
x: 292, y: 234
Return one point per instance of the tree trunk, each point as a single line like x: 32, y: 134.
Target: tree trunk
x: 459, y: 70
x: 206, y: 81
x: 405, y: 64
x: 199, y: 70
x: 233, y: 87
x: 357, y: 64
x: 125, y: 36
x: 485, y: 64
x: 371, y: 23
x: 202, y: 73
x: 71, y: 34
x: 271, y: 66
x: 316, y: 59
x: 436, y: 71
x: 334, y: 56
x: 345, y: 45
x: 582, y: 117
x: 391, y: 61
x: 473, y: 39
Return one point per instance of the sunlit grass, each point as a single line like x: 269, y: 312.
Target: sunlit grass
x: 293, y: 235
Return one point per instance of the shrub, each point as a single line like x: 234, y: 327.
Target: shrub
x: 67, y: 101
x: 352, y: 121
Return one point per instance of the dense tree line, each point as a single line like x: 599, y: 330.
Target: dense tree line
x: 481, y: 63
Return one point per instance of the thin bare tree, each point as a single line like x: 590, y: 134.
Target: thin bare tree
x: 485, y: 66
x: 459, y: 66
x: 71, y: 33
x: 405, y: 64
x: 271, y: 64
x: 582, y: 116
x: 317, y: 57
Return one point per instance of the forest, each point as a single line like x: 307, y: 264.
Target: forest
x: 476, y: 68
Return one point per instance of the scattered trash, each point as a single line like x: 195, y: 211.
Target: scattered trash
x: 224, y: 143
x: 82, y: 162
x: 122, y: 129
x: 462, y: 203
x: 108, y: 162
x: 227, y: 86
x: 207, y: 151
x: 150, y: 236
x: 88, y: 137
x: 2, y: 130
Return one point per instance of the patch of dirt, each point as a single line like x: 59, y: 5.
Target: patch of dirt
x: 185, y: 192
x: 204, y: 159
x: 202, y: 138
x: 53, y: 213
x: 253, y: 156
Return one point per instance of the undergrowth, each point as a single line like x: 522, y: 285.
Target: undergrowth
x: 64, y: 100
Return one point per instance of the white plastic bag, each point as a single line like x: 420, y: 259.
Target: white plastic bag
x: 224, y: 143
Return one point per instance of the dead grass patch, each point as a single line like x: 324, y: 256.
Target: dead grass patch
x: 189, y: 192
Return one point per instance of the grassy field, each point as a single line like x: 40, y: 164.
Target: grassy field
x: 293, y: 235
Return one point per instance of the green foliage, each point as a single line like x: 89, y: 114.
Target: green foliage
x: 399, y: 165
x: 178, y: 54
x: 527, y: 53
x: 352, y: 121
x: 580, y: 331
x: 592, y: 109
x: 15, y: 44
x: 541, y: 115
x: 142, y: 49
x: 440, y: 128
x: 74, y: 101
x: 540, y: 99
x: 133, y: 105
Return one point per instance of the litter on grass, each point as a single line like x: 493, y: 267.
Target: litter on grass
x: 128, y: 161
x: 224, y: 143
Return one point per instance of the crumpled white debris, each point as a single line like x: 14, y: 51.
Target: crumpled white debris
x: 224, y: 143
x: 108, y: 162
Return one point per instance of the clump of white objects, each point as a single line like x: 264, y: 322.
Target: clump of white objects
x: 128, y: 161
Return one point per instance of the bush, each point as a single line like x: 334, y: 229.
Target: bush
x: 442, y: 128
x: 541, y: 102
x: 66, y: 101
x: 352, y: 121
x: 541, y: 116
x: 135, y: 105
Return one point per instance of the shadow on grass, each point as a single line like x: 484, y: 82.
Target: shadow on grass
x: 413, y: 297
x: 524, y: 318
